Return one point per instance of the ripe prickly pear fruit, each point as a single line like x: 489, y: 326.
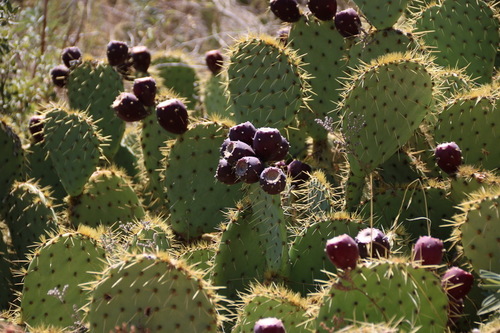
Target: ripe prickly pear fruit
x: 223, y: 146
x: 214, y: 61
x: 269, y: 325
x: 243, y: 132
x: 286, y: 10
x: 373, y: 243
x: 269, y: 145
x: 141, y: 58
x: 71, y: 55
x: 145, y: 90
x: 299, y: 171
x: 117, y: 53
x: 324, y: 10
x: 457, y: 283
x: 129, y: 108
x: 172, y: 115
x: 343, y: 251
x: 272, y: 180
x: 35, y: 127
x: 59, y: 75
x: 236, y: 150
x: 248, y: 169
x: 428, y: 250
x: 348, y: 23
x: 225, y: 173
x: 448, y: 157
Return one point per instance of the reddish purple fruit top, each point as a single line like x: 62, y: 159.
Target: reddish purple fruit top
x: 448, y: 157
x: 342, y: 251
x: 70, y: 55
x: 173, y: 116
x: 269, y: 325
x: 214, y: 61
x: 428, y: 250
x: 141, y: 58
x: 286, y: 10
x: 36, y: 127
x: 145, y: 90
x: 324, y: 10
x: 117, y: 52
x: 457, y: 282
x: 348, y: 23
x: 373, y: 243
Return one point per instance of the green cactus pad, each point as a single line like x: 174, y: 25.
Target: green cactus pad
x: 5, y: 276
x: 462, y: 34
x: 477, y: 229
x: 28, y: 213
x: 469, y: 179
x: 216, y: 99
x: 149, y: 236
x: 41, y: 168
x: 52, y: 293
x: 178, y: 74
x: 383, y: 105
x: 152, y: 292
x: 190, y: 184
x: 307, y: 251
x: 324, y: 54
x: 200, y: 255
x: 240, y: 258
x: 73, y: 144
x: 390, y: 292
x: 125, y: 158
x: 107, y: 199
x: 11, y: 160
x: 273, y: 301
x: 92, y: 88
x: 266, y: 83
x: 382, y: 14
x: 470, y: 121
x: 379, y: 43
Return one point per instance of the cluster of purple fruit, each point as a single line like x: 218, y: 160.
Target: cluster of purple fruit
x: 252, y: 155
x: 347, y: 21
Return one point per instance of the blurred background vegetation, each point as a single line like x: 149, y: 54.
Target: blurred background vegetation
x: 33, y: 33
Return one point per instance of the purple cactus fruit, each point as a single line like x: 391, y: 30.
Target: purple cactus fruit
x: 272, y: 180
x: 428, y: 250
x: 35, y: 127
x: 343, y: 251
x: 59, y: 75
x: 236, y: 150
x: 172, y: 115
x: 117, y: 53
x: 145, y: 90
x: 269, y: 325
x: 243, y: 132
x: 141, y: 58
x: 248, y: 169
x: 348, y: 23
x: 286, y: 10
x: 214, y: 61
x: 457, y: 283
x: 269, y: 145
x: 372, y: 243
x: 223, y: 147
x: 71, y: 55
x: 299, y: 171
x: 324, y: 10
x: 448, y: 157
x: 128, y: 107
x: 225, y: 173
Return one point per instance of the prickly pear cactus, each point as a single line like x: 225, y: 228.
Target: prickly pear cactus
x: 28, y: 213
x: 468, y: 115
x: 383, y: 105
x: 477, y: 230
x: 387, y: 292
x: 462, y: 34
x: 382, y: 14
x: 153, y: 292
x: 73, y: 144
x: 107, y: 199
x: 6, y: 295
x: 52, y: 285
x: 323, y: 52
x: 189, y: 181
x: 266, y: 83
x: 149, y: 235
x: 92, y: 88
x: 273, y: 301
x: 12, y: 158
